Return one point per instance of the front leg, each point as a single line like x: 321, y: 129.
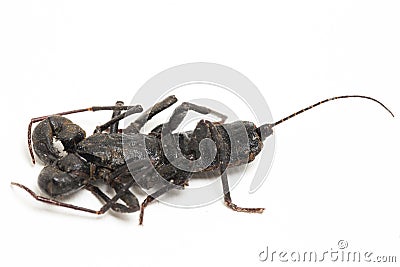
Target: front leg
x: 56, y: 202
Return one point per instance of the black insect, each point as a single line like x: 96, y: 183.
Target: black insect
x: 120, y: 158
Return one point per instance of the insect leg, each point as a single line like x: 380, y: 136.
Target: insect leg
x: 134, y: 110
x: 221, y: 154
x: 127, y: 196
x: 116, y: 180
x: 178, y: 179
x: 181, y: 111
x: 141, y: 169
x: 116, y: 112
x: 101, y: 195
x: 55, y: 202
x: 110, y: 202
x: 138, y: 124
x: 150, y: 199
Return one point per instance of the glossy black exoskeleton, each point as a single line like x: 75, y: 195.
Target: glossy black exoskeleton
x: 122, y: 158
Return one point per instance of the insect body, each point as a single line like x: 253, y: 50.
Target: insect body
x: 122, y: 158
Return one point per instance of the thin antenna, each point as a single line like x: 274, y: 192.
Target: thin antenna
x: 327, y: 100
x: 265, y: 130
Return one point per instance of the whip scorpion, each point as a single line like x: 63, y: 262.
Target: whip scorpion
x: 123, y: 158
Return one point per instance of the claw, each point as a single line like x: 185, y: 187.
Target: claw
x: 55, y: 127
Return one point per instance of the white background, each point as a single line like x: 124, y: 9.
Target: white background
x: 335, y: 173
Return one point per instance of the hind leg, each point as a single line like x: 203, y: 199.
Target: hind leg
x: 221, y: 156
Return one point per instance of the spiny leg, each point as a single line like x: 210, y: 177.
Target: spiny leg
x: 94, y: 108
x: 223, y: 161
